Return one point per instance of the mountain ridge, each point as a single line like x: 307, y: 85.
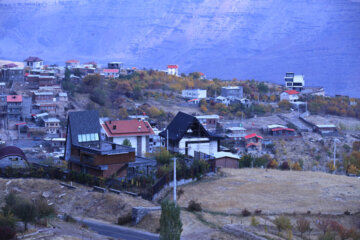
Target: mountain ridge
x: 226, y: 39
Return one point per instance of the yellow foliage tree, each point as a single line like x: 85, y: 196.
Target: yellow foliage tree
x: 331, y: 166
x: 352, y: 169
x: 296, y: 166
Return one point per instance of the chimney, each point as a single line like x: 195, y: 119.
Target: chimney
x: 114, y: 127
x: 139, y: 128
x: 110, y: 122
x: 113, y: 146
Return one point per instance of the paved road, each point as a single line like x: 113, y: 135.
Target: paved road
x: 115, y: 231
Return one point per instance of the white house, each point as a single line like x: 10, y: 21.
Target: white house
x: 223, y: 100
x: 111, y: 73
x: 193, y: 93
x: 186, y: 135
x: 173, y: 70
x: 72, y: 63
x: 52, y: 125
x: 289, y: 95
x: 137, y: 132
x: 33, y: 62
x: 294, y: 82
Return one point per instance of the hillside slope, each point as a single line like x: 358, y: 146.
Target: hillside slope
x: 223, y: 38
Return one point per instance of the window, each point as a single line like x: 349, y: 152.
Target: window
x: 89, y: 137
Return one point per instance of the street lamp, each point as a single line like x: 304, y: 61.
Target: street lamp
x: 335, y: 140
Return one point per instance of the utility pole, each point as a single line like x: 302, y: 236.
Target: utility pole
x: 335, y: 139
x: 167, y: 139
x: 174, y: 180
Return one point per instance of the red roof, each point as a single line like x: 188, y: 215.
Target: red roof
x: 253, y: 135
x: 201, y: 74
x: 26, y: 74
x: 19, y: 124
x: 172, y: 66
x: 72, y: 61
x: 251, y: 144
x: 279, y: 129
x: 111, y: 70
x: 14, y: 98
x: 292, y: 92
x: 127, y: 128
x: 193, y: 100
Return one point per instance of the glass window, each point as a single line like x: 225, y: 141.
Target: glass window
x: 96, y: 137
x: 92, y: 137
x: 79, y: 138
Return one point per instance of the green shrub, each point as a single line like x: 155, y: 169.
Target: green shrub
x: 245, y: 213
x: 122, y: 220
x: 194, y: 206
x: 282, y: 223
x: 254, y: 222
x: 170, y: 222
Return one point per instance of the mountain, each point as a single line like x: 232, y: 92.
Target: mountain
x: 244, y: 39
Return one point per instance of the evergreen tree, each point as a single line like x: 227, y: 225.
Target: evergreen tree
x: 170, y: 222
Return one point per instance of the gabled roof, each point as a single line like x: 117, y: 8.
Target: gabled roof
x: 251, y: 144
x: 14, y: 98
x: 83, y: 122
x: 252, y: 136
x: 132, y: 127
x: 172, y: 66
x: 33, y: 59
x: 292, y: 92
x: 181, y: 123
x: 10, y: 65
x: 11, y: 151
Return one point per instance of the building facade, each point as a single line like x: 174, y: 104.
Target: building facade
x: 232, y: 92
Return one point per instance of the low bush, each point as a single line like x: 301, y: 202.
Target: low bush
x: 7, y: 233
x: 257, y: 211
x: 68, y: 218
x: 254, y: 222
x: 245, y: 213
x: 282, y: 223
x: 194, y: 206
x: 285, y: 166
x: 122, y: 220
x: 303, y: 226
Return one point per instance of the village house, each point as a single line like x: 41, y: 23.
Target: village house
x: 2, y: 87
x: 72, y: 63
x: 46, y: 107
x: 326, y: 129
x: 10, y: 72
x: 208, y: 121
x: 14, y: 107
x: 226, y: 160
x: 186, y: 135
x: 41, y: 97
x: 137, y: 132
x: 253, y: 143
x: 52, y: 125
x: 34, y: 62
x: 223, y: 100
x: 75, y: 79
x: 173, y: 70
x: 235, y: 133
x: 193, y: 93
x: 111, y: 73
x: 234, y: 92
x: 47, y: 80
x: 294, y: 82
x: 11, y: 156
x: 279, y: 131
x: 115, y: 65
x: 289, y: 95
x: 63, y: 97
x: 85, y: 152
x: 3, y: 105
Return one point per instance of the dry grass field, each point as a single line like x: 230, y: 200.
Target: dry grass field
x: 275, y: 192
x: 312, y: 195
